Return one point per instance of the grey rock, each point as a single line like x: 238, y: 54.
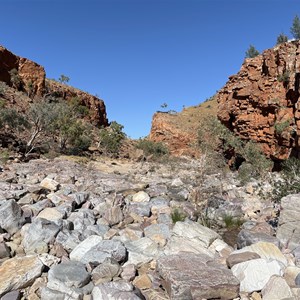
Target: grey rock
x: 48, y: 294
x: 114, y: 215
x: 128, y: 272
x: 118, y: 290
x: 106, y: 271
x: 72, y: 274
x: 39, y: 206
x: 98, y: 251
x: 248, y: 237
x: 288, y: 231
x: 81, y: 197
x: 71, y: 279
x: 68, y: 239
x: 193, y: 276
x: 141, y: 251
x: 4, y: 250
x: 14, y: 295
x: 40, y: 230
x: 11, y: 216
x: 140, y: 208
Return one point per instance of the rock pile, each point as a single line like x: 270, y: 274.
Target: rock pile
x: 106, y: 231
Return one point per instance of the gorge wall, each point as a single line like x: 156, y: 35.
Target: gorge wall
x: 29, y: 77
x: 261, y: 102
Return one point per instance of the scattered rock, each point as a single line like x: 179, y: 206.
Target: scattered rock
x: 19, y: 272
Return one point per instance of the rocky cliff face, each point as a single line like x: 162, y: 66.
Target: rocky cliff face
x: 180, y: 131
x: 29, y: 77
x: 97, y: 111
x: 261, y: 102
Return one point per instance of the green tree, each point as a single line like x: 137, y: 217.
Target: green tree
x: 111, y: 138
x: 63, y: 79
x: 295, y: 29
x: 282, y: 38
x: 251, y: 52
x: 15, y: 78
x: 68, y: 127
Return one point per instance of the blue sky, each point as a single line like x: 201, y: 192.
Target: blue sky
x: 138, y: 54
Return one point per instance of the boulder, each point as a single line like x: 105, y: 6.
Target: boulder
x: 254, y: 274
x: 11, y: 216
x: 19, y: 272
x: 194, y: 276
x: 277, y: 289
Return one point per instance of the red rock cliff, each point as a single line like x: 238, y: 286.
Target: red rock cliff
x: 261, y: 102
x: 32, y: 81
x: 31, y: 75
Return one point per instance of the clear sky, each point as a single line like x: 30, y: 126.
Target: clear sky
x: 138, y: 54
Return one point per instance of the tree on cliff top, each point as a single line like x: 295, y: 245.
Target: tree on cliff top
x: 282, y: 38
x: 251, y: 52
x: 295, y: 29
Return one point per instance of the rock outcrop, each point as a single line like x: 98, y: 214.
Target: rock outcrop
x: 96, y: 106
x: 260, y: 102
x: 31, y: 75
x: 179, y: 131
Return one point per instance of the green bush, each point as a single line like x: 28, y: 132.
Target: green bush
x: 111, y: 138
x: 280, y: 127
x: 290, y: 182
x: 157, y: 149
x: 3, y: 87
x: 285, y: 77
x: 177, y: 216
x: 215, y: 140
x: 282, y: 38
x: 251, y: 52
x: 231, y: 221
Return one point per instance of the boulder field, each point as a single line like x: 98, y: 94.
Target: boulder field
x: 135, y: 230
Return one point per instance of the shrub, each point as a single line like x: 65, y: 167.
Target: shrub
x: 3, y: 87
x: 177, y: 216
x: 111, y: 138
x: 280, y: 127
x: 282, y: 38
x: 231, y: 221
x: 285, y: 77
x: 15, y: 78
x: 251, y: 52
x: 215, y: 140
x: 157, y: 149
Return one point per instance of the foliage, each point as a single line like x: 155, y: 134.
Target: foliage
x: 280, y: 127
x: 164, y: 105
x: 230, y: 221
x: 295, y: 29
x: 4, y: 156
x: 290, y: 181
x: 11, y: 118
x: 15, y: 78
x: 111, y: 138
x: 63, y: 79
x: 285, y: 77
x: 282, y: 38
x: 251, y: 52
x: 215, y: 140
x: 3, y: 87
x: 157, y: 149
x: 177, y: 216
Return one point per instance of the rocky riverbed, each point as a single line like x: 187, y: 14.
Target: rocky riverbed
x: 138, y: 230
